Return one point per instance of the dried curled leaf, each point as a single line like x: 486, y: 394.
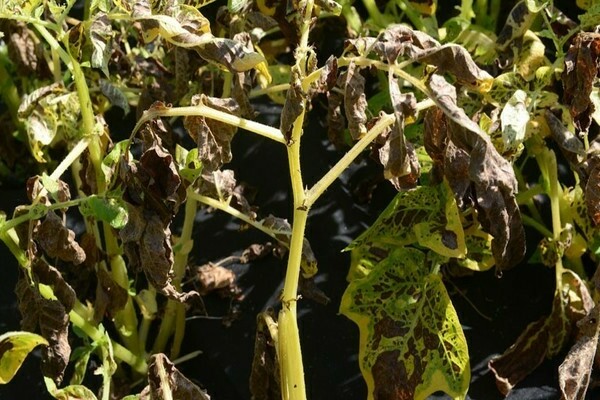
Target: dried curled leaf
x: 265, y: 377
x: 165, y: 381
x: 57, y: 240
x: 295, y: 103
x: 110, y: 296
x: 212, y: 277
x: 187, y: 27
x: 213, y: 137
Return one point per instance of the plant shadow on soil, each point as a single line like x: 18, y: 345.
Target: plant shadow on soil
x: 329, y: 340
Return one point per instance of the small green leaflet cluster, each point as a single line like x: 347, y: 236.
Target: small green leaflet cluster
x: 411, y: 341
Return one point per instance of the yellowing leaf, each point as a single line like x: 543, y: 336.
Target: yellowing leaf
x: 411, y: 342
x: 14, y: 348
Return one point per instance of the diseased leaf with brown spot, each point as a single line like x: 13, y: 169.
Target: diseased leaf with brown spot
x: 493, y: 176
x: 57, y: 240
x: 355, y: 102
x: 578, y: 77
x: 213, y: 137
x: 162, y: 180
x: 574, y: 373
x: 165, y: 381
x: 264, y: 376
x: 14, y: 348
x: 295, y: 103
x: 256, y: 251
x: 21, y: 46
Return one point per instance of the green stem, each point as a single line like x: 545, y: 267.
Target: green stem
x: 315, y: 192
x: 182, y: 249
x: 538, y: 226
x: 208, y: 112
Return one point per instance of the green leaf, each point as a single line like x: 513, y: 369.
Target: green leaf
x: 111, y: 160
x: 14, y: 348
x: 71, y: 392
x: 109, y: 210
x: 411, y: 341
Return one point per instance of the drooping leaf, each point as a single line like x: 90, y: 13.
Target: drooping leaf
x: 165, y: 381
x: 57, y: 240
x: 14, y: 348
x: 213, y: 137
x: 412, y: 344
x: 493, y: 176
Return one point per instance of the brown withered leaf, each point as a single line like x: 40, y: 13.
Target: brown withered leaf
x: 265, y: 377
x: 54, y: 327
x: 492, y: 175
x: 435, y: 139
x: 592, y: 194
x: 57, y: 240
x: 52, y: 320
x: 156, y: 256
x: 213, y: 137
x: 578, y: 77
x: 308, y: 289
x: 165, y: 381
x: 50, y: 276
x: 58, y: 190
x: 335, y: 119
x: 398, y: 157
x: 110, y: 296
x: 574, y: 372
x: 328, y: 78
x: 212, y: 277
x: 161, y: 177
x: 400, y: 40
x: 295, y: 103
x: 21, y: 46
x: 355, y: 102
